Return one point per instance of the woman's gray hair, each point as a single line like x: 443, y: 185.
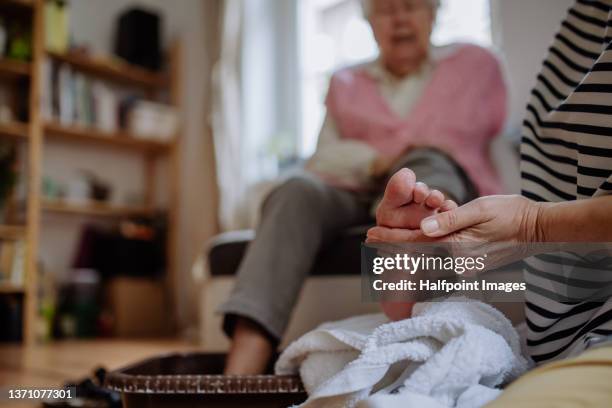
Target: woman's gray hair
x: 366, y: 5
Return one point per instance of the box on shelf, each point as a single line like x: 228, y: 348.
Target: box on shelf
x: 154, y: 121
x: 139, y: 307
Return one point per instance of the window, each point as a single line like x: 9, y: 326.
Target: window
x: 463, y: 20
x: 334, y: 33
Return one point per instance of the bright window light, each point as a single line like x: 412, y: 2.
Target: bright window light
x: 463, y: 21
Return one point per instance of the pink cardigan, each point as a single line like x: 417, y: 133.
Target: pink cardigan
x: 460, y: 111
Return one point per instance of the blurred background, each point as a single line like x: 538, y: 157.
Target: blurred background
x: 133, y: 132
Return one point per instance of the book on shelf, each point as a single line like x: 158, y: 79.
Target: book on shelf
x: 18, y: 270
x: 65, y: 95
x: 12, y: 262
x: 105, y: 106
x: 46, y: 100
x: 75, y: 99
x: 81, y: 97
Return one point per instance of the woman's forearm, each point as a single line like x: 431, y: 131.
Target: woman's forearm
x: 575, y: 221
x: 332, y: 151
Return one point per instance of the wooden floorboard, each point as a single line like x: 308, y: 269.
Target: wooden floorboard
x: 53, y: 364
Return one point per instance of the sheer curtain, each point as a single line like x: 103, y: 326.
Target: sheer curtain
x: 226, y: 114
x: 255, y: 114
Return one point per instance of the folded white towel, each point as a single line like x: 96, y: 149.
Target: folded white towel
x: 452, y: 353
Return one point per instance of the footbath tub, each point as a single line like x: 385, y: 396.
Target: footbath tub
x: 195, y: 380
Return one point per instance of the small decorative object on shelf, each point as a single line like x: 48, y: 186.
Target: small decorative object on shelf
x: 152, y: 121
x: 57, y: 25
x: 19, y: 41
x: 138, y: 38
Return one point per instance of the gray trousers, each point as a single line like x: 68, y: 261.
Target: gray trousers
x: 301, y: 216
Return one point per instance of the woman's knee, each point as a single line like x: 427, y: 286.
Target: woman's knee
x: 439, y: 171
x: 301, y: 190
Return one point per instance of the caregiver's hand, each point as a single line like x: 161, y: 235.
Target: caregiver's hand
x: 489, y: 219
x: 510, y: 218
x: 381, y: 165
x: 495, y: 225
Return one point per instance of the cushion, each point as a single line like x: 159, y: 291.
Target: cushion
x: 340, y: 257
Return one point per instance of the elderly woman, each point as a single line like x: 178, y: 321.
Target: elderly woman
x: 566, y: 197
x: 432, y: 109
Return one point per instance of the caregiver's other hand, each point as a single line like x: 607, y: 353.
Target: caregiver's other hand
x: 381, y: 165
x: 510, y: 218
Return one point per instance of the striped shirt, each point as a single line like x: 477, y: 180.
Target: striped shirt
x: 566, y: 154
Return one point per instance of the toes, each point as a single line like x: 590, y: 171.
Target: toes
x: 435, y: 199
x: 421, y: 191
x: 399, y: 189
x: 448, y: 205
x: 373, y: 235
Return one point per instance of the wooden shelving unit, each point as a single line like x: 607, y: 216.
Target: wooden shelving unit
x: 10, y: 68
x: 10, y: 288
x: 12, y: 232
x: 17, y: 5
x: 94, y: 209
x: 14, y: 130
x: 116, y: 71
x: 38, y: 132
x: 93, y: 136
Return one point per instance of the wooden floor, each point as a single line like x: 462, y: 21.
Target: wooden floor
x: 53, y: 364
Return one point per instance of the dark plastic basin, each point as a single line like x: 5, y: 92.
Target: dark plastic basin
x: 194, y: 380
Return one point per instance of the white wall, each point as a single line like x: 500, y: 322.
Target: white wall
x: 523, y: 30
x: 93, y: 24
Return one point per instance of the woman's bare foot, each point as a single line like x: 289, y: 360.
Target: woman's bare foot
x: 406, y: 202
x: 251, y: 350
x: 397, y: 310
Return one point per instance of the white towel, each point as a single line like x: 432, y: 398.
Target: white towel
x: 453, y: 353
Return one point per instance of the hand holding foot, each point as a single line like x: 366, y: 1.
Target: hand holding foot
x: 405, y: 204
